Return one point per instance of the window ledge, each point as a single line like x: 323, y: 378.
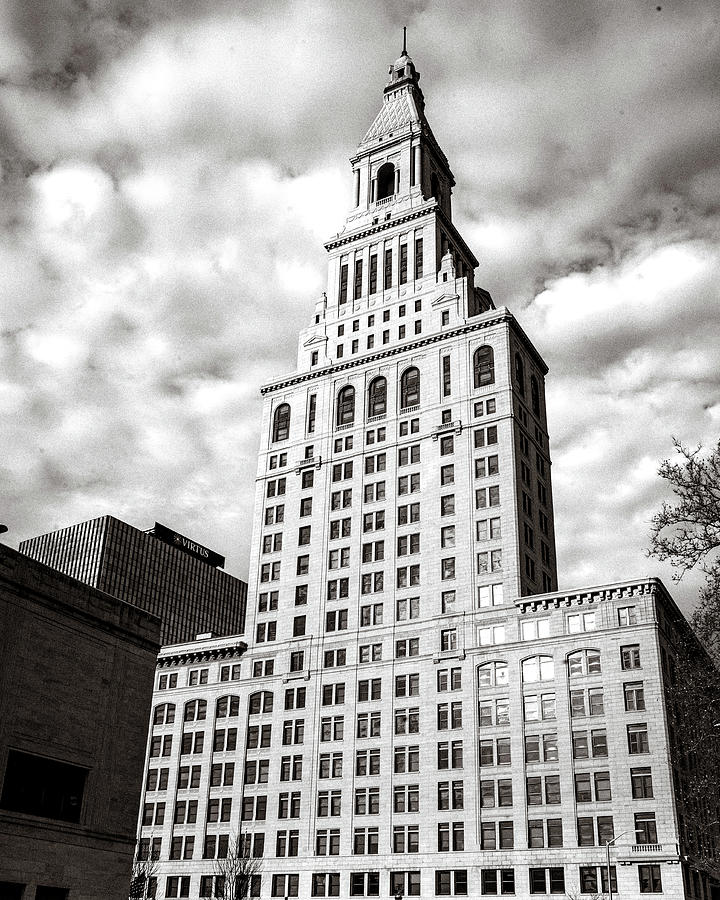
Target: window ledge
x: 455, y: 426
x: 314, y: 462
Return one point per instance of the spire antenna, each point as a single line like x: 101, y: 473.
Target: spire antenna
x: 404, y: 50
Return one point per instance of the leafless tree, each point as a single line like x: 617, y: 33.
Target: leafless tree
x: 234, y: 872
x: 686, y: 532
x: 145, y: 865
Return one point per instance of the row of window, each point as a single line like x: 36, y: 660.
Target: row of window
x: 448, y: 882
x: 377, y: 393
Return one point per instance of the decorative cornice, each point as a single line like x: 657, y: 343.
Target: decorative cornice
x: 200, y: 654
x: 381, y: 226
x: 589, y: 596
x: 385, y: 354
x: 503, y: 315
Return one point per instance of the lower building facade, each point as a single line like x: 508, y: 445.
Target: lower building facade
x: 506, y: 760
x: 76, y: 678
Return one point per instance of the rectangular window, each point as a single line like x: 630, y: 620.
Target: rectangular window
x: 388, y: 269
x: 43, y: 787
x: 372, y: 288
x: 446, y: 378
x: 638, y: 739
x: 343, y: 282
x: 418, y: 258
x: 357, y: 291
x: 403, y: 263
x: 650, y: 879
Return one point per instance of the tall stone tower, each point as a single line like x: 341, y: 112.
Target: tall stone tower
x: 404, y: 477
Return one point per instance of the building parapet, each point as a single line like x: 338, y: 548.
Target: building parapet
x: 618, y: 591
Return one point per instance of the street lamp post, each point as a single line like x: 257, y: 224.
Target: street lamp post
x: 607, y: 851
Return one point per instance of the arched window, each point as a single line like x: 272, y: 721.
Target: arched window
x: 538, y: 668
x: 385, y: 181
x: 410, y: 388
x: 493, y: 674
x: 164, y: 714
x: 227, y: 706
x: 484, y: 366
x: 260, y: 702
x: 520, y: 374
x: 195, y: 710
x: 281, y: 423
x: 584, y: 662
x: 535, y: 395
x: 346, y: 406
x: 377, y: 397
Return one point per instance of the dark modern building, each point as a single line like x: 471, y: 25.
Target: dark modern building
x: 76, y: 681
x: 159, y: 570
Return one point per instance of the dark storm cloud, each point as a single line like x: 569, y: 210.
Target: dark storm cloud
x: 170, y: 170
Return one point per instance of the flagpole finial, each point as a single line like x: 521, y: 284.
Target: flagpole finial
x: 404, y: 49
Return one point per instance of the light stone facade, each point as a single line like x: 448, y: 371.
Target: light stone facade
x: 421, y: 680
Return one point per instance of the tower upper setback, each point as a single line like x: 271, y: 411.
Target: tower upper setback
x: 413, y: 435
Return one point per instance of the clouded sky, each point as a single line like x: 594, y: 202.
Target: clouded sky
x: 170, y: 170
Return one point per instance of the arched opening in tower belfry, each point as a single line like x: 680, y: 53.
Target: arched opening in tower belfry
x: 385, y: 181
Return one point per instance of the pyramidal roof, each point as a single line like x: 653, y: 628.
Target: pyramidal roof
x: 403, y: 106
x: 398, y: 109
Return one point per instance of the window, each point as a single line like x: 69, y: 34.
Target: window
x: 405, y: 884
x: 332, y: 728
x: 539, y: 707
x: 493, y: 674
x: 367, y: 762
x: 641, y: 782
x: 407, y: 647
x: 650, y: 879
x: 365, y: 884
x: 538, y: 668
x: 281, y: 423
x: 44, y: 787
x: 634, y: 693
x: 587, y: 743
x: 451, y: 795
x: 406, y: 759
x: 490, y: 595
x: 377, y: 397
x: 645, y: 828
x: 490, y: 635
x: 543, y: 881
x: 285, y: 885
x: 451, y: 882
x: 541, y: 748
x: 520, y: 374
x: 483, y: 366
x: 627, y: 615
x: 346, y: 406
x: 630, y: 657
x: 370, y: 653
x: 577, y: 622
x: 584, y: 662
x: 497, y: 881
x: 407, y: 685
x: 449, y: 679
x: 410, y: 388
x: 638, y: 739
x: 327, y: 842
x: 177, y: 886
x: 326, y: 884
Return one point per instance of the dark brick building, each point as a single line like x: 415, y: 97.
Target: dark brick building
x: 76, y: 680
